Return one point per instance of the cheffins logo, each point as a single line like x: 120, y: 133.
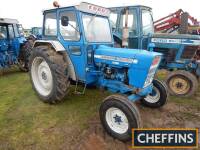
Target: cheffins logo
x: 165, y: 138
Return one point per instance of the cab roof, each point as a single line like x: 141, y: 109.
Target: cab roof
x: 8, y: 21
x: 88, y: 8
x: 133, y: 6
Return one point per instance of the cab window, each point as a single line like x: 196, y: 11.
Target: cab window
x: 11, y: 31
x: 3, y: 32
x: 132, y: 22
x: 70, y: 32
x: 50, y: 24
x: 147, y: 22
x: 113, y: 19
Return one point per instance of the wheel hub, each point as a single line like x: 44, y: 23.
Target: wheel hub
x: 41, y: 76
x: 154, y: 96
x: 179, y: 85
x: 117, y: 120
x: 44, y: 76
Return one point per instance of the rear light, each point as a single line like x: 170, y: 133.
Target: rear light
x: 152, y: 71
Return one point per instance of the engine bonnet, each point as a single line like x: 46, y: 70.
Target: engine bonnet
x: 139, y: 58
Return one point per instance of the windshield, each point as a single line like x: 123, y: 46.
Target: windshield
x: 147, y: 22
x: 97, y: 29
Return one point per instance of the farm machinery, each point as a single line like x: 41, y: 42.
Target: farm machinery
x: 36, y: 32
x: 14, y: 49
x: 179, y: 21
x: 133, y: 27
x: 77, y: 47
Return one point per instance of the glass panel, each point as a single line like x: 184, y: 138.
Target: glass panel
x: 132, y: 22
x: 147, y: 22
x: 113, y: 19
x: 70, y: 32
x: 50, y: 24
x: 3, y: 32
x: 97, y: 29
x: 11, y: 32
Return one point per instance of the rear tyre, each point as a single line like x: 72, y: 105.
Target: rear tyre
x: 158, y: 97
x: 24, y: 55
x: 49, y: 75
x: 182, y: 83
x: 118, y: 116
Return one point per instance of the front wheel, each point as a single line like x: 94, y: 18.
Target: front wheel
x: 118, y: 116
x: 158, y: 97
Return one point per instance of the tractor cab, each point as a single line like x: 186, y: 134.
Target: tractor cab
x: 140, y: 25
x: 13, y: 45
x: 37, y: 32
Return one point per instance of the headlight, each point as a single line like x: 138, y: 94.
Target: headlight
x: 152, y: 71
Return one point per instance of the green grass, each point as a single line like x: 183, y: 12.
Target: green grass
x: 26, y: 122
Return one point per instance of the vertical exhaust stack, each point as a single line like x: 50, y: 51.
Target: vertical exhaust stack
x: 125, y: 33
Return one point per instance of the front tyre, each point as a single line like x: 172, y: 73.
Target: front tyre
x: 158, y: 97
x: 49, y: 75
x: 118, y: 116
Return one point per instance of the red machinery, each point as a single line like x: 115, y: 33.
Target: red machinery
x: 180, y: 21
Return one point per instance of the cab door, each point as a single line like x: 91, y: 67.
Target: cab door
x: 70, y: 37
x: 147, y: 28
x: 14, y: 45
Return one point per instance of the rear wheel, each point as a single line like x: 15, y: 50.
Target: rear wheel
x: 118, y: 116
x: 182, y: 83
x: 158, y: 97
x: 49, y: 75
x: 24, y: 55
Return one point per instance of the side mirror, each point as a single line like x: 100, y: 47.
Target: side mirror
x: 65, y: 20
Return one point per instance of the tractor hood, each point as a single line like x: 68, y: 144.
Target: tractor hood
x: 124, y: 56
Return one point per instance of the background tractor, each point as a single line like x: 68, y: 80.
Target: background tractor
x: 74, y: 49
x: 36, y: 33
x: 14, y: 49
x: 133, y: 27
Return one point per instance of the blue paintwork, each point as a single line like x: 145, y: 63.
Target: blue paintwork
x: 10, y: 48
x: 91, y: 70
x: 141, y: 41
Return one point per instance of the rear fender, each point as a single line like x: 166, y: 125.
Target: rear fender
x: 57, y: 46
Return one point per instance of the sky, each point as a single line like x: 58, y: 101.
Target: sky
x: 29, y: 12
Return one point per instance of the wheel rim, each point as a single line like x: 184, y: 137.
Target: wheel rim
x: 179, y: 85
x: 154, y: 96
x: 117, y: 120
x: 42, y: 76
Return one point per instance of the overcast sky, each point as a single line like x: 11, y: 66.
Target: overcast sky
x: 29, y: 12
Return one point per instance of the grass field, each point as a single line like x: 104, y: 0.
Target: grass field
x: 28, y: 123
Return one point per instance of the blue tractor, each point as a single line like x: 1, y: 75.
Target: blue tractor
x: 77, y: 47
x: 14, y: 49
x: 133, y: 28
x: 36, y: 33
